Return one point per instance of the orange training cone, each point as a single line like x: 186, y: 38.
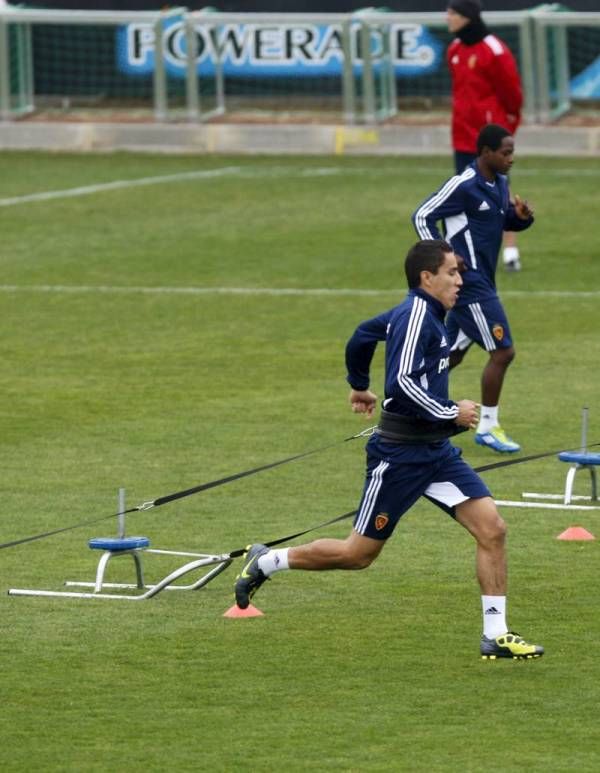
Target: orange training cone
x: 250, y: 611
x: 576, y: 533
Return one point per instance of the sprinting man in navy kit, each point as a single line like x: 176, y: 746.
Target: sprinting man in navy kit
x: 409, y: 455
x: 476, y: 210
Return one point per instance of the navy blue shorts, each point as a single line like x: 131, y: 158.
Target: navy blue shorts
x: 398, y: 475
x: 484, y: 323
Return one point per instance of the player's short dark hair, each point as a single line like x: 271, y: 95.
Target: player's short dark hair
x: 491, y: 137
x: 426, y: 255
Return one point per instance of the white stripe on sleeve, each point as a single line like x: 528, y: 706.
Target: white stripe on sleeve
x: 408, y: 386
x: 436, y: 200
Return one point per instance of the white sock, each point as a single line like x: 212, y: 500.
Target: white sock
x: 494, y: 616
x: 511, y: 254
x: 274, y: 561
x: 488, y: 418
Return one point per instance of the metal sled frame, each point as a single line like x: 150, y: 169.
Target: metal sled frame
x: 219, y: 562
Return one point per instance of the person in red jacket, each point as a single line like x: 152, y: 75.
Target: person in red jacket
x: 486, y: 88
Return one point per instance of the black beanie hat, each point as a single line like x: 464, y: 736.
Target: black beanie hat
x: 469, y: 8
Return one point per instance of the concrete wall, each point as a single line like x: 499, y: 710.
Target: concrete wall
x: 271, y: 139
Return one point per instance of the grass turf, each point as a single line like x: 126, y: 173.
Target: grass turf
x: 160, y: 391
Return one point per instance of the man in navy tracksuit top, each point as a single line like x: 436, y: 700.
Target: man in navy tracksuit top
x: 409, y: 455
x: 476, y: 209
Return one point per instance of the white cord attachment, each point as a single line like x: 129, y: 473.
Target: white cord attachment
x: 367, y: 432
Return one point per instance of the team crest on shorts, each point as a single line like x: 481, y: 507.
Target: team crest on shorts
x: 498, y: 332
x: 381, y: 521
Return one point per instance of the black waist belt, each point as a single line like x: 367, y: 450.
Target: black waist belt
x: 411, y: 430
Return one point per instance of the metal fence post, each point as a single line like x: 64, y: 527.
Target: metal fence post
x: 561, y: 60
x: 390, y: 71
x: 21, y: 67
x: 5, y: 113
x: 191, y: 83
x: 219, y: 75
x: 367, y: 74
x: 28, y: 63
x: 528, y: 70
x: 210, y: 28
x: 348, y: 94
x: 543, y: 86
x: 160, y: 76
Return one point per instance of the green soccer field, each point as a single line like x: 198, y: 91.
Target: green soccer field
x: 168, y: 321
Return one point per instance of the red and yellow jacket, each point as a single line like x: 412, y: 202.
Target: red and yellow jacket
x: 486, y: 88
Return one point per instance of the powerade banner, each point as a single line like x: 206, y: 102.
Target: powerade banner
x: 274, y: 50
x: 296, y: 6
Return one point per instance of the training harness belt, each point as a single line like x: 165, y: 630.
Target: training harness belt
x: 410, y: 430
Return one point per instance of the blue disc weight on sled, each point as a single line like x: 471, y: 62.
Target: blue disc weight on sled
x: 118, y: 543
x: 579, y: 457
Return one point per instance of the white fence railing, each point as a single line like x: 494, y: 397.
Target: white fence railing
x: 356, y: 68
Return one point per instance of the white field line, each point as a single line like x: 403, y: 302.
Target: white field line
x: 544, y: 505
x: 205, y: 174
x: 534, y: 495
x: 550, y: 293
x: 271, y: 291
x: 116, y: 185
x: 275, y: 291
x: 257, y: 173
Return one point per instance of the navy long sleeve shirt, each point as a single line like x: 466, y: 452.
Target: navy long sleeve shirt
x: 416, y: 358
x: 475, y: 213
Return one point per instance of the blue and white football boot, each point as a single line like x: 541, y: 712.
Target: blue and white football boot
x: 497, y: 439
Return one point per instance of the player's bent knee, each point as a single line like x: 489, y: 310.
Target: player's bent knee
x: 361, y: 551
x: 492, y: 532
x: 358, y: 559
x: 498, y: 530
x: 362, y: 562
x: 504, y: 357
x: 482, y: 519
